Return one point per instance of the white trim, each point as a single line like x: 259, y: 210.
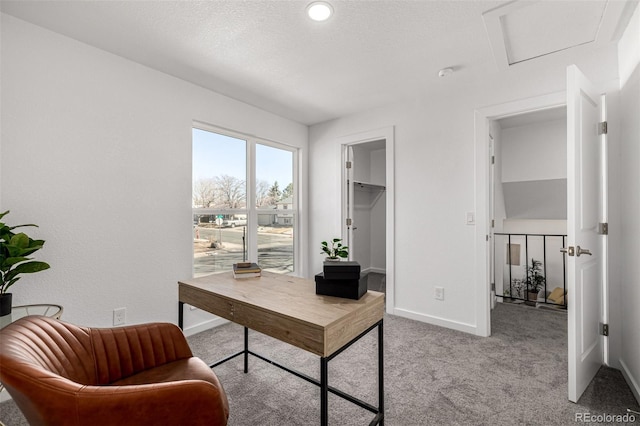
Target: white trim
x: 374, y: 270
x: 631, y: 381
x: 481, y: 261
x: 386, y: 133
x: 431, y: 319
x: 205, y: 325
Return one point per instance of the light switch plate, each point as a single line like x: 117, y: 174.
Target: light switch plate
x: 471, y: 218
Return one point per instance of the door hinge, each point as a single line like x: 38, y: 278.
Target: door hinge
x: 493, y: 223
x: 349, y: 222
x: 604, y: 329
x: 486, y: 237
x: 602, y: 128
x: 348, y: 165
x: 493, y: 159
x: 603, y: 228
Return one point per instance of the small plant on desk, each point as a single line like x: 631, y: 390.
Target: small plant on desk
x: 336, y: 250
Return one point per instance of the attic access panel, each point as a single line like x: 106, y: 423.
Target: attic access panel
x: 520, y: 31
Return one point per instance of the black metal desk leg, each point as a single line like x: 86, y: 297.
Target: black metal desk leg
x: 246, y: 350
x: 381, y: 372
x: 181, y: 315
x: 324, y: 392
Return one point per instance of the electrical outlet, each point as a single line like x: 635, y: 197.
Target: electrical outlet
x: 439, y: 293
x: 119, y: 316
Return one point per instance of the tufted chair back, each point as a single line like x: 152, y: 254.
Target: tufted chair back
x: 62, y: 374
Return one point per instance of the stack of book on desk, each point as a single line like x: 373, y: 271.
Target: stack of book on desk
x: 246, y: 270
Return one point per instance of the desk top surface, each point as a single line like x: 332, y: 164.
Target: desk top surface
x: 286, y: 295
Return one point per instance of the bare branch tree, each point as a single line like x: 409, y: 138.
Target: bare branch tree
x: 262, y: 193
x: 230, y: 192
x: 203, y: 193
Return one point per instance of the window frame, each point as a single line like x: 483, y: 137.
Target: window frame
x: 250, y: 210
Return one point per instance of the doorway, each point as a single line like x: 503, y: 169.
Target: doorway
x: 528, y: 208
x: 367, y: 187
x: 484, y: 195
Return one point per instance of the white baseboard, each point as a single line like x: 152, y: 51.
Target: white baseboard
x: 631, y: 381
x: 430, y: 319
x: 374, y: 270
x: 205, y: 325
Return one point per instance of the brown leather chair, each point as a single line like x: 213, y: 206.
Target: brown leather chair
x: 61, y: 374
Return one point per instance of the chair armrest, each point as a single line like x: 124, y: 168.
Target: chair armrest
x: 124, y: 351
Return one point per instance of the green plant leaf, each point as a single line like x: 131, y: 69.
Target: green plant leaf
x: 20, y: 240
x: 6, y: 286
x: 13, y: 260
x: 28, y: 268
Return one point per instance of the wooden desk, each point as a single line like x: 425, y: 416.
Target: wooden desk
x: 287, y: 308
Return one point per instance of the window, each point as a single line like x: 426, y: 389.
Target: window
x: 241, y: 187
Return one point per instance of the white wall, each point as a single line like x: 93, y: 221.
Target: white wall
x: 434, y: 183
x: 537, y: 151
x: 627, y: 300
x: 96, y: 149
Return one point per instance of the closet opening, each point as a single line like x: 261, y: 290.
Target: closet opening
x: 366, y: 205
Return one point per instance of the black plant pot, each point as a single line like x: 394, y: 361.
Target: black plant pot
x: 5, y: 304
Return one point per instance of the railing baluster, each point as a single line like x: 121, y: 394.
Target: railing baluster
x: 544, y: 256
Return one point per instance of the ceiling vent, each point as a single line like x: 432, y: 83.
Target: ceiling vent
x: 523, y: 30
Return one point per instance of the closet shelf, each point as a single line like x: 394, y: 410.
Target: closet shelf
x: 370, y: 187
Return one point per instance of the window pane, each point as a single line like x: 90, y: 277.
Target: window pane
x: 274, y: 177
x: 219, y: 171
x: 275, y: 242
x: 219, y: 241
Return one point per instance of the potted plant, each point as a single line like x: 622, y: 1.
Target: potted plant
x: 14, y: 249
x: 336, y: 250
x: 535, y: 279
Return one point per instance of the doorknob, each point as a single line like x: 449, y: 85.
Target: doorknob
x: 568, y: 250
x: 577, y: 251
x: 580, y: 251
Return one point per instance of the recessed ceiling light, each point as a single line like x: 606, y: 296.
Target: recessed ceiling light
x: 319, y: 11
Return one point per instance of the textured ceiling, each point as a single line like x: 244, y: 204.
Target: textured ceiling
x: 269, y: 54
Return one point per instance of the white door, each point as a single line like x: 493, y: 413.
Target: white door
x: 586, y: 248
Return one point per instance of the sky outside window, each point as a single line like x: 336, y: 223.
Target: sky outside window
x: 216, y: 155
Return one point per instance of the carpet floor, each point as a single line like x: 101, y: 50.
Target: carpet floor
x: 433, y: 376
